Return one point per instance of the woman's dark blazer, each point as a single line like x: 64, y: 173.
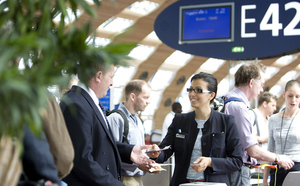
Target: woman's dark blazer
x: 220, y: 141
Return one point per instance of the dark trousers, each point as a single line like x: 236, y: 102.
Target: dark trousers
x: 281, y: 174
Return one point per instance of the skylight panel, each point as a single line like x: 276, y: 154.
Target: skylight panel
x: 71, y: 16
x: 152, y: 35
x: 224, y: 86
x: 161, y: 79
x: 123, y: 75
x: 289, y: 76
x: 141, y: 52
x: 116, y: 24
x: 178, y: 58
x: 98, y: 41
x: 284, y: 60
x: 276, y: 90
x: 270, y: 72
x: 212, y: 64
x: 143, y: 7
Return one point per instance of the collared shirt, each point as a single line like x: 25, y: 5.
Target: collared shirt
x: 135, y: 136
x: 244, y: 120
x: 93, y: 96
x: 197, y: 152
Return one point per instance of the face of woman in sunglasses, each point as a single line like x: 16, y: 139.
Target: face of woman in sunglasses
x: 197, y: 98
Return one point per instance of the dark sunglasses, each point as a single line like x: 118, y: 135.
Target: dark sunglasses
x: 197, y: 90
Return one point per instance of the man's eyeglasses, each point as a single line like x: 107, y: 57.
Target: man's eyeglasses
x: 197, y: 90
x: 259, y: 83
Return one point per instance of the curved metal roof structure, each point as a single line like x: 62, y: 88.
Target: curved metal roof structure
x: 138, y: 17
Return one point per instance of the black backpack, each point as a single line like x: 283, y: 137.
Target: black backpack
x: 126, y: 124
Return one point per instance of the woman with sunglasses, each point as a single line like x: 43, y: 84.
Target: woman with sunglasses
x: 206, y: 143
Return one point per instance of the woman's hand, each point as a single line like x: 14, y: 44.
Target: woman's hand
x: 153, y: 155
x: 201, y: 164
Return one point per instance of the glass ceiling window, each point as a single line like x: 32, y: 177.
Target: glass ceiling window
x: 152, y: 35
x: 71, y: 17
x: 276, y: 90
x: 289, y: 76
x: 161, y: 79
x: 270, y: 72
x: 178, y: 58
x: 224, y: 87
x: 183, y: 98
x: 116, y: 24
x: 284, y: 60
x: 98, y: 41
x: 143, y: 7
x: 211, y: 65
x: 235, y: 68
x: 141, y: 52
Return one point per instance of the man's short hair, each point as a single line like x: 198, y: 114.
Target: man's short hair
x: 247, y: 72
x: 85, y: 74
x: 134, y: 86
x: 266, y: 96
x: 176, y: 106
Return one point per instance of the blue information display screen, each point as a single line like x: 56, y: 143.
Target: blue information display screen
x: 106, y: 100
x: 206, y: 24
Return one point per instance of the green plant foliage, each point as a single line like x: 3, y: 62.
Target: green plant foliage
x: 28, y: 33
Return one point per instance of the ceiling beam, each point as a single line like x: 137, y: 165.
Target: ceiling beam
x: 174, y: 89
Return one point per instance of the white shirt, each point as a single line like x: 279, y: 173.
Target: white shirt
x: 93, y: 96
x: 262, y: 126
x: 167, y: 122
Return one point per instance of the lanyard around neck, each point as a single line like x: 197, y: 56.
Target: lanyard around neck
x: 282, y: 151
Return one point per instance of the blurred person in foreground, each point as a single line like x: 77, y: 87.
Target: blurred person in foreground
x: 97, y: 156
x: 206, y: 143
x: 284, y: 137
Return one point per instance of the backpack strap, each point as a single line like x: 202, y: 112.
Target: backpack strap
x: 255, y: 122
x: 126, y: 125
x: 227, y: 100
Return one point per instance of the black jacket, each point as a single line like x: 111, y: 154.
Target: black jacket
x: 97, y: 156
x: 220, y: 141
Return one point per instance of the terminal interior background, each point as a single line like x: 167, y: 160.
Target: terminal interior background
x: 167, y: 70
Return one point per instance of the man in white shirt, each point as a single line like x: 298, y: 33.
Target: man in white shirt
x: 176, y: 108
x: 266, y: 107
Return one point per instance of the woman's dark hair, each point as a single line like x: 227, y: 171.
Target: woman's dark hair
x: 210, y: 79
x: 291, y: 83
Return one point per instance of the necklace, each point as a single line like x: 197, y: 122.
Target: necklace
x: 282, y: 151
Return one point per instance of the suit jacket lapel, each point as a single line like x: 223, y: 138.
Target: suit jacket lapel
x: 98, y: 114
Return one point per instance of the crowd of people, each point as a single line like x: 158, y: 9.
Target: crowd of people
x: 80, y: 145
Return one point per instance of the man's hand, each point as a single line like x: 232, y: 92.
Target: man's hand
x: 201, y: 164
x: 147, y: 167
x: 153, y: 154
x: 285, y: 162
x: 138, y: 157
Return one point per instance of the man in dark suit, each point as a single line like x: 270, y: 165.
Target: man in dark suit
x: 97, y: 156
